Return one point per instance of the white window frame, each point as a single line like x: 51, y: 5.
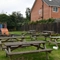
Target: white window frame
x: 55, y: 9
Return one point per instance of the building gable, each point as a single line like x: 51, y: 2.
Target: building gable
x: 35, y: 9
x: 33, y: 5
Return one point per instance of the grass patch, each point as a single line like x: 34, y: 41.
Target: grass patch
x: 3, y: 55
x: 35, y: 56
x: 54, y: 55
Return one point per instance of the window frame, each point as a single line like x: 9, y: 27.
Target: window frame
x: 55, y: 9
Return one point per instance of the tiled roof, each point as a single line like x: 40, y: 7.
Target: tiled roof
x: 53, y: 2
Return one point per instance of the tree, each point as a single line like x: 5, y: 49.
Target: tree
x: 16, y: 18
x: 4, y: 18
x: 28, y: 14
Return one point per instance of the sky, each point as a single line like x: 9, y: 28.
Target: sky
x: 9, y: 6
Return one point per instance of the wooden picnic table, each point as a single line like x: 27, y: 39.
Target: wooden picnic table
x: 10, y: 39
x: 6, y: 39
x: 45, y: 35
x: 34, y: 36
x: 55, y: 40
x: 50, y: 32
x: 37, y: 44
x: 31, y: 32
x: 41, y: 47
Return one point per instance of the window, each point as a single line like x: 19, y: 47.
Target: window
x: 55, y: 9
x: 40, y: 11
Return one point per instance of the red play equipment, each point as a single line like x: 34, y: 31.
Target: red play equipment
x: 3, y: 29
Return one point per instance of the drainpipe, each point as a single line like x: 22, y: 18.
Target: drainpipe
x: 42, y: 9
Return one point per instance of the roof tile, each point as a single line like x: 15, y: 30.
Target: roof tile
x: 53, y: 2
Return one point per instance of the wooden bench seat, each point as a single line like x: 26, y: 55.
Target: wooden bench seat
x: 56, y: 43
x: 27, y: 52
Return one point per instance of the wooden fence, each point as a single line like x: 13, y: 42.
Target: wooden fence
x: 41, y: 27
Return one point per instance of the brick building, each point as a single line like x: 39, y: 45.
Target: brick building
x: 44, y: 9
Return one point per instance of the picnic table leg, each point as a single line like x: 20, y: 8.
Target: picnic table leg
x: 38, y: 46
x: 10, y: 57
x: 9, y: 50
x: 0, y: 45
x: 47, y: 57
x: 56, y: 42
x: 44, y: 46
x: 45, y: 38
x: 15, y: 39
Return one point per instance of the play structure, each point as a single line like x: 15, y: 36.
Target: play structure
x: 3, y: 30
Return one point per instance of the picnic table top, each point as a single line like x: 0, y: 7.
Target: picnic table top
x: 49, y: 31
x: 45, y: 34
x: 22, y: 43
x: 11, y: 37
x: 54, y: 36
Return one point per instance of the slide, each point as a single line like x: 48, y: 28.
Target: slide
x: 4, y: 31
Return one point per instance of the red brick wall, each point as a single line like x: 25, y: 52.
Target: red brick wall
x: 48, y: 12
x: 56, y: 14
x: 35, y: 11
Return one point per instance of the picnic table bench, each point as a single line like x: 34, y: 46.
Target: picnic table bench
x: 27, y: 52
x: 39, y: 44
x: 55, y: 40
x: 50, y: 32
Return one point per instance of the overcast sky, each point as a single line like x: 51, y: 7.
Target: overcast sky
x: 15, y: 5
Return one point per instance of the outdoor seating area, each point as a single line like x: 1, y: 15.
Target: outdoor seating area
x: 38, y: 41
x: 30, y: 30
